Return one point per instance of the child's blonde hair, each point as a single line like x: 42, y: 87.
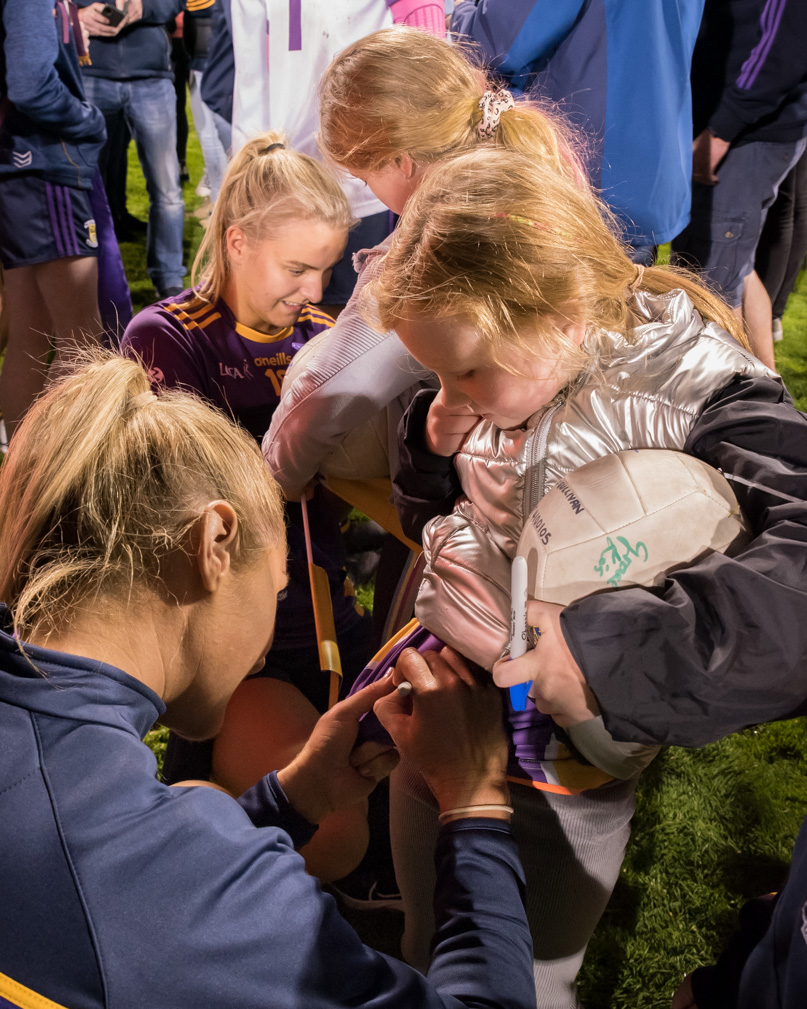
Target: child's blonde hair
x: 104, y: 479
x: 516, y: 250
x: 401, y: 91
x: 265, y: 187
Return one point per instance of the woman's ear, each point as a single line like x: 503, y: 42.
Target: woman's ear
x: 215, y: 538
x: 236, y: 242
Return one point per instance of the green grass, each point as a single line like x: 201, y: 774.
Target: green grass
x: 712, y: 827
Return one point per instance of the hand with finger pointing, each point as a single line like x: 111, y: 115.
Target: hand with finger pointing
x: 559, y: 687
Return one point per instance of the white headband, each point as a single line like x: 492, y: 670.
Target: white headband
x: 492, y: 104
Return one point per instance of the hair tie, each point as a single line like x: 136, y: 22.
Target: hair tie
x: 636, y: 283
x: 272, y: 147
x: 492, y: 104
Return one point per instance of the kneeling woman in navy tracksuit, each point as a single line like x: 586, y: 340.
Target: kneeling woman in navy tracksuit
x: 142, y: 548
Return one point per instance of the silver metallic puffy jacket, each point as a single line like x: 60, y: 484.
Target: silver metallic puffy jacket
x: 644, y: 394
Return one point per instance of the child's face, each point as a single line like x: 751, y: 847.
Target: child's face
x: 394, y: 183
x: 454, y: 350
x: 273, y: 279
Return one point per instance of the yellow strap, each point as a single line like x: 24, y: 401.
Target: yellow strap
x: 22, y: 997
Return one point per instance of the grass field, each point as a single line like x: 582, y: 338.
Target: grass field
x: 712, y: 827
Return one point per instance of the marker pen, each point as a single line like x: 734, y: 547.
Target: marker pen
x: 518, y: 627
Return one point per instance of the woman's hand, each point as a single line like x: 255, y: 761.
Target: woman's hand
x: 328, y: 773
x: 447, y: 427
x: 559, y: 687
x: 450, y: 727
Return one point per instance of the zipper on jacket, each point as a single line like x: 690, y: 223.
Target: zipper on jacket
x: 536, y: 463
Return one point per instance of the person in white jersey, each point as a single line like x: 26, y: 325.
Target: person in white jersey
x: 282, y: 48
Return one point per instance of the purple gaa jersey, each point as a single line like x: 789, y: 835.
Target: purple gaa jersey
x: 204, y: 349
x: 240, y: 371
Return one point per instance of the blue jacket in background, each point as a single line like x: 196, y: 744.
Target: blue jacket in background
x: 219, y: 77
x: 142, y: 49
x: 618, y: 69
x: 116, y: 890
x: 47, y: 127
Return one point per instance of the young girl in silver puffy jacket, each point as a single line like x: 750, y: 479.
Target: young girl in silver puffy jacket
x: 552, y: 350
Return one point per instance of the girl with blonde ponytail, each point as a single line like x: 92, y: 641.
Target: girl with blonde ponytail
x: 392, y: 105
x: 278, y: 226
x: 553, y: 349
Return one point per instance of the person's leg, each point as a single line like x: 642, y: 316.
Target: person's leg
x: 758, y: 318
x: 50, y: 305
x: 151, y: 116
x: 266, y: 725
x: 773, y: 249
x: 798, y: 243
x: 25, y: 367
x: 215, y: 156
x: 571, y: 848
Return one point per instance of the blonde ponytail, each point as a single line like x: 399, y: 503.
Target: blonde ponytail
x: 266, y: 186
x: 103, y: 480
x: 400, y: 91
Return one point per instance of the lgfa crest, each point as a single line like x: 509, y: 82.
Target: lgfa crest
x: 92, y: 234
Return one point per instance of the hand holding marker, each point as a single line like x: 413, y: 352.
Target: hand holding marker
x: 518, y: 627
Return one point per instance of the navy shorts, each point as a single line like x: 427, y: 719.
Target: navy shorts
x: 722, y: 236
x: 41, y: 221
x: 370, y: 231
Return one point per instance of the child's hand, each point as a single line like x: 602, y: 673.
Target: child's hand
x: 559, y: 688
x: 447, y: 427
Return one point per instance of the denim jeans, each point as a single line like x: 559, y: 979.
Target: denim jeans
x: 148, y: 105
x: 213, y: 152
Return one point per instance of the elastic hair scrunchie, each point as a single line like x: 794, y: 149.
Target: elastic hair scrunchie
x: 492, y: 104
x: 272, y: 147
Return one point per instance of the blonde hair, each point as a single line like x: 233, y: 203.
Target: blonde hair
x: 104, y: 480
x: 266, y: 186
x: 516, y: 250
x: 401, y: 91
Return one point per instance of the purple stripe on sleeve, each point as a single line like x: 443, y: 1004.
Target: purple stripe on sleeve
x: 268, y: 47
x: 54, y: 220
x: 770, y: 21
x: 295, y: 25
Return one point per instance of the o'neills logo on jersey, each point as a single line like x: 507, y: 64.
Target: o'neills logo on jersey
x: 279, y: 360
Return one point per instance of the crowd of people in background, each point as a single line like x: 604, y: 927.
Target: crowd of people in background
x: 384, y: 182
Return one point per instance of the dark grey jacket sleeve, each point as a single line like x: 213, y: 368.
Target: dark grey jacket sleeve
x: 424, y: 484
x: 722, y: 644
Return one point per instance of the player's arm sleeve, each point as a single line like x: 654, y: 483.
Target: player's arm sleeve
x: 516, y: 36
x: 31, y: 49
x: 355, y: 376
x: 722, y: 644
x: 166, y: 350
x: 776, y: 64
x: 425, y: 484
